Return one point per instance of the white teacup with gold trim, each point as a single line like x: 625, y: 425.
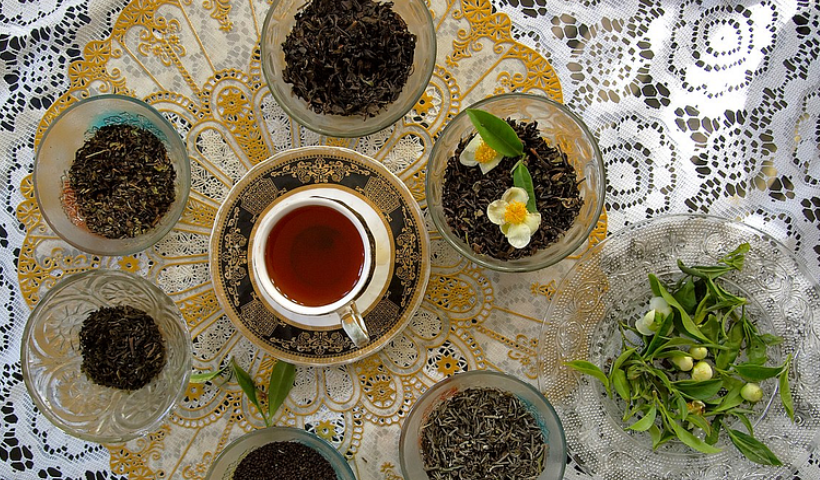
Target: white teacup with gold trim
x: 320, y: 257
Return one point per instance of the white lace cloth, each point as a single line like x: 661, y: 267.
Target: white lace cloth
x: 699, y: 106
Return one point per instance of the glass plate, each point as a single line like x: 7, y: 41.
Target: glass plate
x: 609, y: 284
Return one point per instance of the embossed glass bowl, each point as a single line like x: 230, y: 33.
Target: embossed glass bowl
x: 279, y: 23
x: 55, y: 155
x: 609, y: 284
x: 553, y: 431
x: 225, y: 464
x: 558, y: 126
x: 51, y: 358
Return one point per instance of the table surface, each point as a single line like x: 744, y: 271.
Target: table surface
x: 708, y: 107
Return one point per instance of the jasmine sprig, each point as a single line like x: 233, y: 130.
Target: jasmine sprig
x: 501, y: 137
x: 704, y: 321
x: 279, y: 385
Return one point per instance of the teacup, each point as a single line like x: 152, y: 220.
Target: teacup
x: 314, y: 253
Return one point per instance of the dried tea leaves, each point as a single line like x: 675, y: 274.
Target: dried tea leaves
x: 284, y: 461
x: 121, y: 347
x: 122, y: 181
x: 467, y: 192
x: 348, y: 57
x: 482, y: 433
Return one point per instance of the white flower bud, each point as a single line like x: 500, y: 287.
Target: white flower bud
x: 698, y: 353
x: 702, y: 371
x: 684, y: 364
x: 646, y: 325
x: 660, y: 305
x: 751, y: 392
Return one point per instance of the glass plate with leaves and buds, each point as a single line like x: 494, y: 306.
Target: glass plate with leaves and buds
x: 684, y: 347
x: 515, y: 182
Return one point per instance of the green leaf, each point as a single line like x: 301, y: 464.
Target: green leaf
x: 655, y: 434
x: 736, y: 258
x: 702, y: 390
x: 647, y: 422
x: 692, y: 441
x: 752, y: 448
x: 621, y: 384
x: 246, y: 383
x: 688, y: 325
x: 206, y: 377
x: 757, y: 373
x: 717, y: 424
x: 588, y: 368
x: 522, y: 179
x: 622, y: 358
x: 281, y: 381
x: 785, y: 390
x: 496, y: 133
x: 686, y: 295
x: 701, y: 423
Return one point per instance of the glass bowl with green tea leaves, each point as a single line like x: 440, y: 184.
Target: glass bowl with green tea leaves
x: 482, y: 424
x: 293, y: 453
x: 685, y: 344
x: 111, y: 175
x: 106, y: 355
x: 348, y: 69
x: 543, y: 157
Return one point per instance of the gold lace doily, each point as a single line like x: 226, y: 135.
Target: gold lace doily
x: 198, y: 63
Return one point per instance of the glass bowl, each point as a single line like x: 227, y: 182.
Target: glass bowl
x: 558, y: 126
x: 51, y: 358
x: 227, y: 461
x: 610, y: 284
x: 68, y: 133
x: 278, y: 25
x: 537, y: 405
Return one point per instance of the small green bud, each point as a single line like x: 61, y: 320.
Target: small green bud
x: 698, y: 353
x: 684, y: 364
x: 751, y: 392
x: 702, y: 371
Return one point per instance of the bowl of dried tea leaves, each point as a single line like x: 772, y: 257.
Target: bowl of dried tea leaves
x: 106, y: 355
x: 111, y: 175
x: 348, y: 68
x: 482, y: 424
x: 292, y: 453
x: 515, y: 182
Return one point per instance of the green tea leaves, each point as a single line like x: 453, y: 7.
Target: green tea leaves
x: 496, y: 133
x: 206, y: 377
x: 588, y: 368
x: 752, y: 448
x: 522, y: 179
x: 281, y: 381
x: 246, y: 384
x: 697, y: 318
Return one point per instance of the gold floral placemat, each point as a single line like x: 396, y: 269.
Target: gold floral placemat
x: 198, y: 63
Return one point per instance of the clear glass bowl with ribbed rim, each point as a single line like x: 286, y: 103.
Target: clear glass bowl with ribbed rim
x: 559, y: 127
x: 609, y: 284
x: 226, y: 462
x: 279, y: 23
x: 56, y: 152
x: 51, y: 358
x: 410, y: 451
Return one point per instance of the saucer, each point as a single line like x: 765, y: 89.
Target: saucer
x: 386, y: 310
x: 382, y: 265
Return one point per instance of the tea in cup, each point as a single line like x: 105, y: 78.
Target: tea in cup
x: 311, y: 257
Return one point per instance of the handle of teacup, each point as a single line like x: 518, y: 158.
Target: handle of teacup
x: 353, y: 324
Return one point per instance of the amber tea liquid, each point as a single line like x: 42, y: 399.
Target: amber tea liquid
x: 314, y: 255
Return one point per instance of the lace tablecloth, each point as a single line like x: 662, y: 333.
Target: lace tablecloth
x: 698, y: 107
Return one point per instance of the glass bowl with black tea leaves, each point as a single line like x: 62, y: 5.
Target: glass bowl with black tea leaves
x: 111, y: 175
x: 293, y: 453
x: 476, y: 196
x: 482, y: 424
x: 348, y: 68
x: 106, y: 355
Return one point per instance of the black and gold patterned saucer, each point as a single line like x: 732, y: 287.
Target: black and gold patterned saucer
x: 285, y: 173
